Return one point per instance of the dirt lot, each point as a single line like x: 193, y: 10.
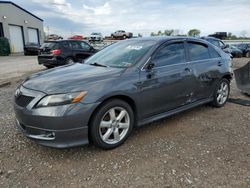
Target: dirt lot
x: 204, y: 147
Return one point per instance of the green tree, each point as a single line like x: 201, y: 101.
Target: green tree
x: 152, y: 34
x: 194, y: 32
x: 168, y: 32
x: 159, y: 33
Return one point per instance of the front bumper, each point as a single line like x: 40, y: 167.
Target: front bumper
x: 58, y: 126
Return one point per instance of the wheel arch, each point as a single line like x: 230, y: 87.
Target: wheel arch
x: 228, y: 76
x: 124, y: 98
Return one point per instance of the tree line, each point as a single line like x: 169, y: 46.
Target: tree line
x: 196, y: 33
x: 172, y: 32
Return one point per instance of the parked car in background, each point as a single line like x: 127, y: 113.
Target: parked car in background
x: 245, y: 48
x: 56, y: 53
x: 127, y: 84
x: 215, y: 41
x: 95, y: 37
x: 54, y: 37
x: 31, y: 48
x: 236, y: 52
x: 122, y: 34
x: 76, y: 37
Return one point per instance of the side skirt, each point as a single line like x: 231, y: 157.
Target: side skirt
x: 172, y: 112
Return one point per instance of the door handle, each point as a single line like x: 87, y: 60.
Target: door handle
x: 186, y: 72
x: 220, y: 64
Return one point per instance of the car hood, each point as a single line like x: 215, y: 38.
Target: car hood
x: 70, y: 78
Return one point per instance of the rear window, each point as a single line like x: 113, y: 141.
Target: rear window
x: 50, y: 45
x: 198, y: 51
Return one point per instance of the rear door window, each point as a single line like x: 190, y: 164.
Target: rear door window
x: 170, y: 54
x: 214, y: 42
x: 50, y: 45
x: 75, y: 45
x: 214, y: 53
x: 85, y: 46
x: 198, y: 51
x: 65, y: 45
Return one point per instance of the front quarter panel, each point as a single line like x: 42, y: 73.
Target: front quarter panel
x: 125, y: 85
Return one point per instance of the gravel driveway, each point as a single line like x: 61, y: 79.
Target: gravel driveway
x: 203, y: 147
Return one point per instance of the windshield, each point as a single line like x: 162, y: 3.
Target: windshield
x: 122, y: 54
x: 96, y: 34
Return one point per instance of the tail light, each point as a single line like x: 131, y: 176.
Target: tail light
x: 56, y: 52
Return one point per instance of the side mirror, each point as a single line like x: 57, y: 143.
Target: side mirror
x: 150, y: 66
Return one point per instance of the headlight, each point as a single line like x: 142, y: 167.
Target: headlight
x: 61, y: 99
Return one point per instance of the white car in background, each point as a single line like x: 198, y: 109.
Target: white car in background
x: 96, y: 37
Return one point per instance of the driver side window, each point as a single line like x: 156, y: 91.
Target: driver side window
x: 170, y: 54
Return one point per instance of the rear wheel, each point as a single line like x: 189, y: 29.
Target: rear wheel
x: 248, y: 54
x: 221, y: 93
x: 69, y: 60
x: 112, y: 124
x: 48, y: 66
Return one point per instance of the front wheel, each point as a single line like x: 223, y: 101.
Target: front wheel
x: 111, y: 124
x: 221, y: 93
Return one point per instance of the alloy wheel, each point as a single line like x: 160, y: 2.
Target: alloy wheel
x: 114, y: 125
x: 222, y: 93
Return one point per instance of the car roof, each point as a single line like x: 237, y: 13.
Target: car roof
x: 213, y: 38
x: 169, y: 38
x: 62, y: 40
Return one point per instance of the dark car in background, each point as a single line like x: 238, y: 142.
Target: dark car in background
x: 127, y: 84
x: 56, y: 53
x: 235, y: 51
x: 31, y: 48
x: 217, y: 42
x: 245, y: 48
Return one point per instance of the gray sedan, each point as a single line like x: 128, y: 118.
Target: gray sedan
x: 128, y: 84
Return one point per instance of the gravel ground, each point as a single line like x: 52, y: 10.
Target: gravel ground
x: 203, y: 147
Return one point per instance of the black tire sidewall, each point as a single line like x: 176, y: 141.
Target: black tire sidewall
x: 215, y: 102
x: 95, y: 123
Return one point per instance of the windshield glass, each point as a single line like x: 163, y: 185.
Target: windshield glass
x: 122, y: 54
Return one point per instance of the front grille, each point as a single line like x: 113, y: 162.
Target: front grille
x: 23, y: 100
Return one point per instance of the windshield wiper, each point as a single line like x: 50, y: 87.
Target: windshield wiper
x: 98, y: 64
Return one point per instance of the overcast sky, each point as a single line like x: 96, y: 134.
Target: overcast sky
x: 68, y: 17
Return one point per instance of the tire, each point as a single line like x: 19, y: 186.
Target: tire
x: 221, y: 93
x: 248, y: 54
x: 110, y: 135
x: 69, y: 60
x: 48, y: 66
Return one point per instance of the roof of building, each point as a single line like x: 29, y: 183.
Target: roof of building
x: 9, y: 2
